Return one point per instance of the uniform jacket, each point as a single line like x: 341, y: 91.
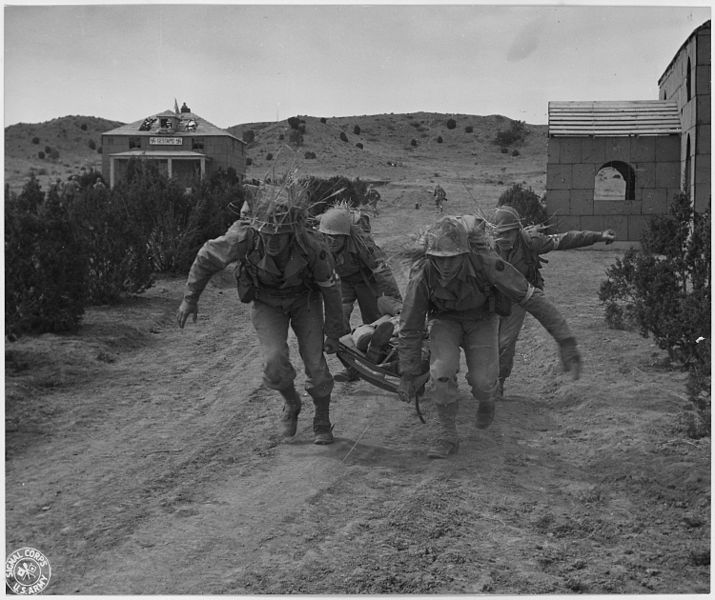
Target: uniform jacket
x: 531, y: 244
x: 464, y: 298
x: 310, y: 267
x: 362, y: 261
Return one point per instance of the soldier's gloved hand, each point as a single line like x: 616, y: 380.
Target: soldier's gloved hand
x: 608, y: 236
x: 331, y: 345
x: 406, y: 390
x: 570, y: 357
x: 185, y: 309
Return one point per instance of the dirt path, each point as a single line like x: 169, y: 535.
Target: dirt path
x: 143, y: 459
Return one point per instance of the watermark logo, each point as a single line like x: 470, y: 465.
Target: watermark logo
x: 27, y: 571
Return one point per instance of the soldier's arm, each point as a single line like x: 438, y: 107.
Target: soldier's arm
x: 214, y: 256
x: 412, y: 326
x: 323, y: 271
x: 568, y: 240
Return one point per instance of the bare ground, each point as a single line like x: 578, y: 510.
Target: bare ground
x: 143, y: 459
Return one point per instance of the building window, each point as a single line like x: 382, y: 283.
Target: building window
x: 615, y: 180
x: 197, y: 143
x: 688, y: 82
x: 135, y: 142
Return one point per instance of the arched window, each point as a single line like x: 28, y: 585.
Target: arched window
x: 688, y: 82
x: 615, y: 180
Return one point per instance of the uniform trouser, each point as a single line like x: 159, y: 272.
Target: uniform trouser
x: 479, y: 339
x: 366, y: 300
x: 305, y: 316
x: 509, y: 328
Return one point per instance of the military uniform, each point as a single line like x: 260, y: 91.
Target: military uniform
x: 293, y: 295
x: 458, y: 314
x: 525, y: 257
x: 364, y: 276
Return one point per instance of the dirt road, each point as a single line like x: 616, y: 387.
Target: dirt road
x: 143, y: 459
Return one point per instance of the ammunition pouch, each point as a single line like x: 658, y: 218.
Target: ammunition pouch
x: 244, y: 282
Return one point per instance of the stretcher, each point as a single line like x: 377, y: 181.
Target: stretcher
x: 384, y: 375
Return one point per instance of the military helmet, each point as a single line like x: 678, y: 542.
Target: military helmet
x: 278, y: 218
x: 507, y: 218
x: 335, y: 221
x: 447, y: 237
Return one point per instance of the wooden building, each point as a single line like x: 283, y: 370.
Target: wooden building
x: 181, y: 143
x: 617, y: 164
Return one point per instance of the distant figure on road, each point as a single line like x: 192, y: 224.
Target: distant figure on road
x: 440, y: 196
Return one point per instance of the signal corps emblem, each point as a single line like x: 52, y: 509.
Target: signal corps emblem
x: 27, y: 571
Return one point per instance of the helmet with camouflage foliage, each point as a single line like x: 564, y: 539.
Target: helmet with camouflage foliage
x: 506, y: 218
x: 447, y: 237
x: 279, y: 210
x: 336, y: 221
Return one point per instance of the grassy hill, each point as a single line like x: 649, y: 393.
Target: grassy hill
x: 414, y: 148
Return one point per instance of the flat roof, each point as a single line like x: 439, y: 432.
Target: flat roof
x: 614, y: 118
x: 159, y: 154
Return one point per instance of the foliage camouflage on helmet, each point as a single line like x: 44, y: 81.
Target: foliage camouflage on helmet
x: 447, y: 237
x: 506, y: 218
x: 280, y: 208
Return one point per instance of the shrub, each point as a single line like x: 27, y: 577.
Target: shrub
x: 248, y: 136
x: 413, y: 142
x: 359, y: 145
x: 323, y: 120
x: 516, y: 134
x: 92, y: 145
x: 83, y: 126
x: 269, y: 156
x: 531, y: 208
x: 515, y: 152
x: 55, y: 154
x: 48, y: 149
x: 343, y: 136
x: 249, y: 161
x: 41, y: 155
x: 45, y: 264
x: 504, y: 150
x: 439, y: 139
x: 99, y: 150
x: 295, y: 137
x: 281, y: 137
x: 664, y: 291
x: 309, y: 155
x: 469, y: 129
x: 356, y: 130
x: 296, y: 123
x: 451, y: 123
x: 35, y: 140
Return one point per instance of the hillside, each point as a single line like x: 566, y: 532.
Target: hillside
x: 53, y: 149
x: 399, y: 148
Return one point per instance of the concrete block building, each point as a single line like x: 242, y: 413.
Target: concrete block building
x: 616, y: 164
x: 183, y: 145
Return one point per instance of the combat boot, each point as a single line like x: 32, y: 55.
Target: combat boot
x: 291, y: 410
x: 485, y: 413
x: 446, y: 441
x: 377, y: 350
x: 322, y: 429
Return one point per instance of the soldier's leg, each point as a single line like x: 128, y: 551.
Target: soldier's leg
x: 271, y: 326
x: 509, y: 329
x: 481, y: 349
x: 307, y: 323
x: 367, y: 302
x: 445, y: 340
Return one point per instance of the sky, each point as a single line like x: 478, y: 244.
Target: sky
x: 246, y: 63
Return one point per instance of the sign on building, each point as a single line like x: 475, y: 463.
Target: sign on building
x: 165, y: 141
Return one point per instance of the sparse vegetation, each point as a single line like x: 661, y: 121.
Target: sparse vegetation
x: 516, y: 134
x: 356, y: 130
x: 35, y: 140
x: 309, y: 155
x: 439, y: 139
x: 414, y: 142
x: 343, y: 136
x: 531, y: 208
x: 663, y: 291
x: 269, y: 156
x: 248, y: 136
x: 469, y: 129
x: 451, y: 123
x: 359, y: 145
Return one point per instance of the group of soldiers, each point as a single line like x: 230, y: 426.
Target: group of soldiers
x: 462, y: 293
